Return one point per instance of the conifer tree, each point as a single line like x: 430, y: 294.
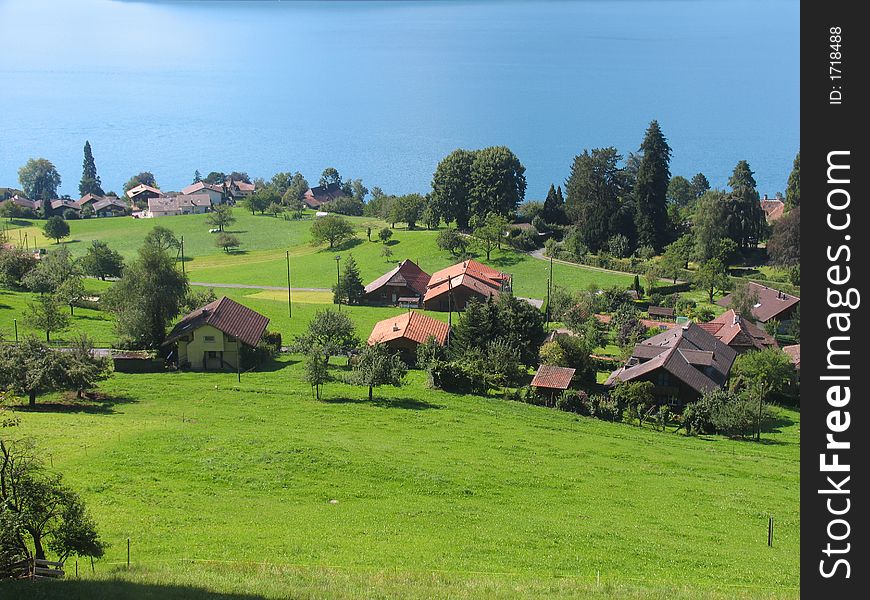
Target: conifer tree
x: 793, y: 188
x: 700, y: 184
x: 554, y: 206
x: 351, y: 288
x: 651, y: 189
x: 197, y: 176
x: 90, y: 183
x: 745, y: 218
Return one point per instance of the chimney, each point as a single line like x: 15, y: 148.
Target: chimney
x: 395, y: 327
x: 765, y: 197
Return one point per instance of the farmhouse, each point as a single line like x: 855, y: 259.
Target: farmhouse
x: 110, y: 206
x: 740, y: 334
x: 167, y: 206
x: 405, y: 332
x: 451, y: 288
x: 23, y: 202
x: 61, y: 206
x: 682, y: 363
x: 405, y: 281
x: 142, y: 192
x: 211, y: 338
x: 239, y: 189
x: 772, y: 304
x: 214, y: 192
x: 552, y: 378
x: 320, y: 195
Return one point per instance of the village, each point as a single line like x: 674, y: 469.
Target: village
x: 689, y: 328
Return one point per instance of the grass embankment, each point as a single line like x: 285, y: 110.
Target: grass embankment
x: 417, y: 494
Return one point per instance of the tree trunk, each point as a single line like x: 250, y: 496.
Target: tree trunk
x: 370, y: 393
x: 32, y: 396
x: 47, y: 333
x: 37, y: 546
x: 71, y: 310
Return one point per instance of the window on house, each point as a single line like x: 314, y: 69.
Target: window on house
x: 208, y: 339
x: 230, y: 338
x: 211, y: 354
x: 662, y: 379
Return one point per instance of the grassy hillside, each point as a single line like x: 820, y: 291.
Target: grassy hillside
x: 265, y: 239
x: 417, y: 494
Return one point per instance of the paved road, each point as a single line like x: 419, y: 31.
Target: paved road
x: 242, y: 286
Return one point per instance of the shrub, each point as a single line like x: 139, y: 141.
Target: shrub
x: 646, y: 252
x: 573, y: 401
x: 551, y: 248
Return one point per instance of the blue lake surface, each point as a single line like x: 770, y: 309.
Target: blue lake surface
x: 383, y: 90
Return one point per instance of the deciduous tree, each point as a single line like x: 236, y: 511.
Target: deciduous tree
x: 331, y: 229
x: 377, y: 365
x: 220, y: 217
x: 39, y: 179
x: 56, y: 228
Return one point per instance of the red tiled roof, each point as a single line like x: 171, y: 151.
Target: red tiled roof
x: 773, y: 208
x: 407, y: 273
x: 201, y: 185
x: 319, y: 195
x: 794, y: 352
x: 771, y: 302
x: 226, y: 315
x: 552, y: 377
x: 471, y: 274
x: 413, y: 326
x: 734, y: 331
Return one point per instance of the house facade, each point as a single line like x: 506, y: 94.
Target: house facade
x: 740, y: 334
x: 211, y: 338
x: 453, y: 287
x: 407, y: 280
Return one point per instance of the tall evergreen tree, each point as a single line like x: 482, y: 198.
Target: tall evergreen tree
x: 554, y: 206
x: 351, y: 287
x: 745, y: 218
x: 793, y: 188
x: 594, y: 188
x: 90, y: 183
x: 700, y: 184
x: 651, y: 189
x: 197, y: 176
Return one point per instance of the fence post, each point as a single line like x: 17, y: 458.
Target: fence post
x: 770, y: 530
x: 128, y: 553
x: 77, y: 568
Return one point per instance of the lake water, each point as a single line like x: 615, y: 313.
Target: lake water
x: 383, y: 90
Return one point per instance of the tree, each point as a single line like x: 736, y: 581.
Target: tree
x: 651, y: 189
x: 316, y: 369
x: 743, y: 301
x: 90, y: 183
x: 70, y: 291
x: 761, y: 373
x: 638, y: 396
x: 275, y: 209
x: 358, y: 190
x: 143, y: 178
x: 239, y: 176
x: 331, y: 331
x: 784, y: 246
x: 295, y: 190
x: 517, y: 322
x: 488, y: 231
x: 147, y: 298
x: 408, y: 209
x: 385, y: 234
x: 15, y: 264
x: 215, y: 178
x: 220, y: 217
x: 162, y: 238
x: 451, y: 184
x: 227, y: 241
x: 260, y: 200
x: 331, y: 229
x: 30, y: 368
x: 711, y: 276
x: 593, y: 191
x: 45, y: 314
x: 554, y: 206
x: 46, y: 512
x: 676, y: 256
x: 101, y: 261
x: 452, y: 241
x: 39, y: 179
x: 681, y: 193
x: 56, y: 228
x: 386, y: 252
x: 83, y: 369
x: 431, y: 217
x: 700, y: 185
x: 618, y: 245
x: 330, y: 175
x: 744, y: 216
x: 498, y: 182
x: 197, y: 176
x: 377, y: 365
x: 350, y: 287
x: 51, y: 271
x: 793, y: 187
x: 709, y: 225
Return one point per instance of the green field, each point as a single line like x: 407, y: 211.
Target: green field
x: 265, y: 240
x: 435, y: 495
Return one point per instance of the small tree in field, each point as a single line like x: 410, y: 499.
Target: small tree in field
x: 316, y: 369
x: 45, y: 314
x: 331, y: 229
x: 56, y: 228
x: 637, y: 396
x: 452, y: 241
x: 70, y: 291
x: 101, y: 261
x: 220, y: 217
x: 377, y: 366
x: 331, y: 331
x: 386, y: 252
x: 350, y: 288
x: 385, y: 234
x: 227, y: 241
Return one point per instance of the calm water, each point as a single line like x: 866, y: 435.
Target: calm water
x: 383, y: 90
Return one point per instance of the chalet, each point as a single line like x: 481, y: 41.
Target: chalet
x: 552, y: 378
x: 182, y: 204
x: 773, y: 208
x: 682, y: 363
x: 142, y: 192
x: 405, y: 332
x: 660, y: 312
x: 60, y: 207
x: 211, y: 338
x: 451, y: 288
x: 24, y: 203
x: 320, y: 195
x: 237, y: 189
x: 772, y: 304
x: 110, y: 206
x: 214, y: 192
x: 406, y: 281
x: 741, y: 334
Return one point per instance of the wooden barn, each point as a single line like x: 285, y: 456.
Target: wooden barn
x: 407, y: 280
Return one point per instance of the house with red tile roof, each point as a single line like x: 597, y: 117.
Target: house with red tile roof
x: 452, y: 287
x: 772, y: 303
x: 773, y: 208
x: 211, y: 337
x: 794, y: 353
x: 740, y: 334
x: 403, y: 333
x: 407, y: 280
x: 553, y: 378
x: 682, y: 363
x: 316, y: 197
x: 214, y: 192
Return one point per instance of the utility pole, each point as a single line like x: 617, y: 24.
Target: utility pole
x: 338, y: 280
x: 182, y: 255
x: 289, y: 298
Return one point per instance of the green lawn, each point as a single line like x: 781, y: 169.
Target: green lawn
x: 434, y: 494
x: 265, y: 240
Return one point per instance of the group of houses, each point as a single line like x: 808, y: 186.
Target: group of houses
x: 194, y: 199
x: 87, y: 205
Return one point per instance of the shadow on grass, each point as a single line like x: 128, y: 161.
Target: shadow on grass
x: 21, y: 222
x: 94, y: 403
x: 83, y: 589
x: 391, y: 242
x: 345, y: 245
x: 404, y: 403
x: 507, y: 261
x: 270, y: 366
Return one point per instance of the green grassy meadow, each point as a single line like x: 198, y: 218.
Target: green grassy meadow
x: 419, y: 493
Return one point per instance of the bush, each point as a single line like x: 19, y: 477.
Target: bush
x: 573, y: 401
x: 646, y: 252
x: 551, y: 248
x: 457, y: 377
x: 539, y: 224
x: 523, y: 239
x: 268, y: 347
